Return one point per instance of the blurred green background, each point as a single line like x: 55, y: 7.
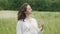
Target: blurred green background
x: 49, y: 10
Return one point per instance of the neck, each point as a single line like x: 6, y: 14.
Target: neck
x: 27, y: 16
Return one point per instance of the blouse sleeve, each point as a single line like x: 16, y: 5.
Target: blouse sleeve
x: 19, y: 28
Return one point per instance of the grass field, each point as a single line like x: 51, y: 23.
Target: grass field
x: 8, y: 20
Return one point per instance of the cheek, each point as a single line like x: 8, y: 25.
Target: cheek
x: 29, y: 11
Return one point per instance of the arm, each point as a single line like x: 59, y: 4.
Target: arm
x: 18, y: 28
x: 41, y: 25
x: 41, y: 28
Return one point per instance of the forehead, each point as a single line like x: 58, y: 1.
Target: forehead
x: 28, y: 6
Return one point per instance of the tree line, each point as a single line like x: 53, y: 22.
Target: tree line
x: 40, y: 5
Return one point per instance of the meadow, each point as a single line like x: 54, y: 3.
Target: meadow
x: 8, y: 21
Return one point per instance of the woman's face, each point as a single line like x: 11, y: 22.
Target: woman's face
x: 28, y: 10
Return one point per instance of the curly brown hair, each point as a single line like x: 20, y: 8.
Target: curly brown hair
x: 22, y: 10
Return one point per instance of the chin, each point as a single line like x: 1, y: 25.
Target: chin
x: 29, y: 13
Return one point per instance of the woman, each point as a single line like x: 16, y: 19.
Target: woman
x: 26, y: 24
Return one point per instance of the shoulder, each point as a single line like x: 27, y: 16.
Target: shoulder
x: 19, y: 22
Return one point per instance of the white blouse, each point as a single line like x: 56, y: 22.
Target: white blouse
x: 29, y: 26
